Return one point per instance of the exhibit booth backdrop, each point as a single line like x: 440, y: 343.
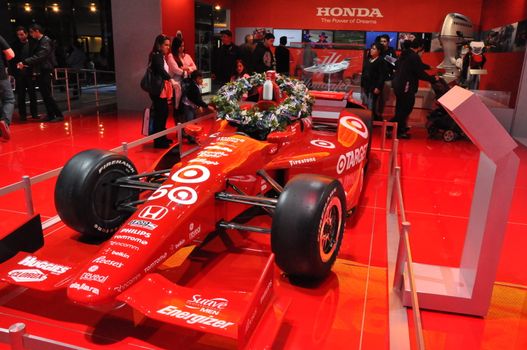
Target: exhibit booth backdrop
x: 368, y: 15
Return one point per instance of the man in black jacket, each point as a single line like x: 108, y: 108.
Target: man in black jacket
x: 226, y: 56
x: 23, y: 48
x: 263, y: 58
x: 282, y: 57
x: 410, y: 69
x: 7, y: 99
x: 41, y: 61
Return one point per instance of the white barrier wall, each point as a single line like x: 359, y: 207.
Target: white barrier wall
x: 135, y: 26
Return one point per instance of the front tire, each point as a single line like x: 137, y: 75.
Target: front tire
x: 85, y: 197
x: 308, y: 226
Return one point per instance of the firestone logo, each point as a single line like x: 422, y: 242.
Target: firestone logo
x: 348, y: 12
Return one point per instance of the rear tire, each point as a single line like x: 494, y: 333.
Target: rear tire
x: 308, y: 225
x: 85, y: 199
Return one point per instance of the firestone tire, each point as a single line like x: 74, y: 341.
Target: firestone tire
x: 85, y: 199
x: 308, y: 225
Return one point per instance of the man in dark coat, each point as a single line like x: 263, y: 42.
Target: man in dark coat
x: 23, y: 48
x: 42, y: 64
x: 410, y: 69
x: 263, y: 58
x: 226, y: 56
x: 282, y: 57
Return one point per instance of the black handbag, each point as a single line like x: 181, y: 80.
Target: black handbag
x: 152, y: 83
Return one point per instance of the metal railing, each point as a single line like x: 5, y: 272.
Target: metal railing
x: 26, y: 181
x: 404, y: 252
x: 75, y: 82
x: 18, y: 339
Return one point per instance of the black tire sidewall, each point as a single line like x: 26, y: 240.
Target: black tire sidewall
x: 75, y: 190
x: 296, y: 225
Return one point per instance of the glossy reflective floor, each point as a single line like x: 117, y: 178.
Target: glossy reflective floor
x: 347, y: 311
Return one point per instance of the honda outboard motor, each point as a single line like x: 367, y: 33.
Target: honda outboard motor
x: 457, y: 29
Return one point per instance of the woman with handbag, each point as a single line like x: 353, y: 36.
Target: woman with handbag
x: 180, y: 65
x: 161, y: 89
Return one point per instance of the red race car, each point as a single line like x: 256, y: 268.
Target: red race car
x: 307, y: 177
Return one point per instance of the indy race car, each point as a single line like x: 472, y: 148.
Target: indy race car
x: 307, y: 177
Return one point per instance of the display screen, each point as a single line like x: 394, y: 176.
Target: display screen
x: 426, y: 38
x: 317, y: 36
x: 351, y: 38
x: 294, y: 37
x: 371, y: 36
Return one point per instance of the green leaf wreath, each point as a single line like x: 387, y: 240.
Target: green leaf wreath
x: 256, y: 123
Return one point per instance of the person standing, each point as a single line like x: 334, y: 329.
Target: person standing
x: 7, y: 98
x: 282, y: 57
x: 263, y: 58
x: 226, y: 56
x: 373, y: 77
x: 410, y: 69
x: 246, y: 52
x: 390, y: 58
x: 159, y: 66
x: 180, y: 65
x: 41, y: 62
x: 23, y: 47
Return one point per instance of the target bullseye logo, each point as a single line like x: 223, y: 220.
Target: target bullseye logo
x: 323, y: 144
x: 355, y: 125
x: 191, y: 174
x: 183, y: 195
x: 341, y: 164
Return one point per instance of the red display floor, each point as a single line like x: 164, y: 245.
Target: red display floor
x: 347, y: 311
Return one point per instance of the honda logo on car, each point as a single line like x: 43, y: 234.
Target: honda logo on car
x: 351, y: 158
x: 192, y: 318
x: 153, y: 212
x: 27, y: 275
x: 32, y: 261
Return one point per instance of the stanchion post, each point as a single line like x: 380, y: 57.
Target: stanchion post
x: 26, y: 180
x: 67, y: 89
x: 16, y: 336
x: 96, y: 88
x: 383, y: 138
x: 180, y: 137
x: 395, y: 190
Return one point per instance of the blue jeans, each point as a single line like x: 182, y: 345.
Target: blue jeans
x: 7, y: 101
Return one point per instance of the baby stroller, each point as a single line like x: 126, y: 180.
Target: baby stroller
x: 439, y: 123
